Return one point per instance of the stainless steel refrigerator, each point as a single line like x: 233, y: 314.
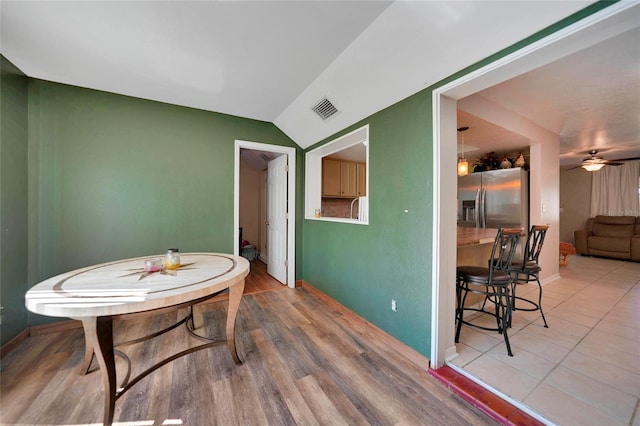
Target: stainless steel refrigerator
x: 494, y: 199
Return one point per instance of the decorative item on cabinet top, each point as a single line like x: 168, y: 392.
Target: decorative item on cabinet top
x: 493, y: 161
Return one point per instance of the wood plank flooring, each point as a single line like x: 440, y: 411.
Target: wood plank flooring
x: 306, y: 360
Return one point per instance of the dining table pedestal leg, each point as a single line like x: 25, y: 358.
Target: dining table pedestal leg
x: 88, y: 348
x: 99, y: 337
x: 235, y: 296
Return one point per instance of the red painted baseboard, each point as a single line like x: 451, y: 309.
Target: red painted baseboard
x: 486, y: 401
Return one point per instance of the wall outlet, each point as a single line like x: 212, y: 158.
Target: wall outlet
x: 394, y: 305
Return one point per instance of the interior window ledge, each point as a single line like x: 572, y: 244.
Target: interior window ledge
x: 339, y: 220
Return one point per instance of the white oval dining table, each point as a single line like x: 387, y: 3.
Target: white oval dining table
x: 99, y: 294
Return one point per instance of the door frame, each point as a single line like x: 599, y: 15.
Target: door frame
x: 291, y: 200
x: 609, y: 22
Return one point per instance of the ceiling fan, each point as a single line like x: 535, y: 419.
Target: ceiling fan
x: 595, y: 163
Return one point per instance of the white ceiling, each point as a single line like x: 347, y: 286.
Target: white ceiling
x: 273, y: 60
x: 591, y: 99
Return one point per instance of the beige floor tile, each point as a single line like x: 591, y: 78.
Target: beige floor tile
x: 521, y: 319
x: 550, y: 302
x: 479, y: 341
x: 561, y: 293
x: 630, y: 274
x: 603, y: 397
x: 572, y: 307
x: 573, y: 283
x: 564, y: 333
x: 588, y: 276
x: 601, y: 303
x: 574, y: 317
x: 612, y: 289
x: 568, y: 283
x: 619, y: 330
x: 487, y: 321
x: 634, y: 292
x: 526, y: 362
x: 624, y: 312
x: 609, y: 374
x: 609, y: 353
x: 620, y: 344
x: 563, y: 409
x: 564, y: 272
x: 545, y: 347
x: 625, y: 315
x: 466, y: 354
x: 628, y: 308
x: 510, y: 381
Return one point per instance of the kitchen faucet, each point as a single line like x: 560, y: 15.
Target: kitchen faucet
x: 351, y: 209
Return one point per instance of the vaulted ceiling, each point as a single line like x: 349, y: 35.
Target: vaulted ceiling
x: 274, y: 60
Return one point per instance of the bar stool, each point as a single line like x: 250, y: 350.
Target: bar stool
x: 493, y: 282
x: 527, y: 270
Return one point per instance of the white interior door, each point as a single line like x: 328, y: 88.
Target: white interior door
x: 277, y: 218
x: 262, y: 221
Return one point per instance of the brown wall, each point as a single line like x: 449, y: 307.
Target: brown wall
x: 249, y: 203
x: 575, y: 200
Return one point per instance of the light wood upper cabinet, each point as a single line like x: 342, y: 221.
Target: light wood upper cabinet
x: 343, y: 178
x: 348, y: 176
x: 330, y: 177
x: 361, y: 179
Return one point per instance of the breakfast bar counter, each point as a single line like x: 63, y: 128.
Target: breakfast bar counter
x: 475, y: 236
x: 474, y: 245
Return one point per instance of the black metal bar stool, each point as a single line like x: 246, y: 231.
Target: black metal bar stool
x: 527, y: 270
x: 493, y: 282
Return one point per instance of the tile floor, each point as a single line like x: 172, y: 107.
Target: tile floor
x: 585, y: 368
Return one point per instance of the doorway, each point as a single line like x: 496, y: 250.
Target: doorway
x: 604, y: 24
x: 284, y: 246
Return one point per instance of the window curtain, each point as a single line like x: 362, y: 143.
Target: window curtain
x: 614, y: 190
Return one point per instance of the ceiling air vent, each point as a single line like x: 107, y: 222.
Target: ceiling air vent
x: 325, y: 109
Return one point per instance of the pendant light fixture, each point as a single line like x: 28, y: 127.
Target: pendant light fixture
x: 463, y: 164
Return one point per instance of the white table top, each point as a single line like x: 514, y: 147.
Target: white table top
x: 123, y: 286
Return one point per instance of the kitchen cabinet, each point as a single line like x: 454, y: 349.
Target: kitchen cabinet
x: 361, y: 169
x: 331, y: 178
x: 343, y: 178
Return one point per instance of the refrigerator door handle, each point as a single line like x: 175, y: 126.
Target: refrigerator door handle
x: 477, y: 209
x: 483, y: 209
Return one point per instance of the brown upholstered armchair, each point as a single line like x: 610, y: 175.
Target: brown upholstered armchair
x: 617, y: 237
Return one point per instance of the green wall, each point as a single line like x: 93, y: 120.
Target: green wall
x: 113, y: 177
x: 364, y: 267
x: 13, y: 200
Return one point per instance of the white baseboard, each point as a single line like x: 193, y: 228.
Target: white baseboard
x: 550, y: 279
x: 451, y: 353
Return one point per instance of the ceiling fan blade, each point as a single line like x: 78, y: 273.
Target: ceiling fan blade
x: 627, y: 159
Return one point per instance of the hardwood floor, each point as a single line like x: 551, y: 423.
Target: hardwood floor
x: 259, y: 280
x: 306, y: 360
